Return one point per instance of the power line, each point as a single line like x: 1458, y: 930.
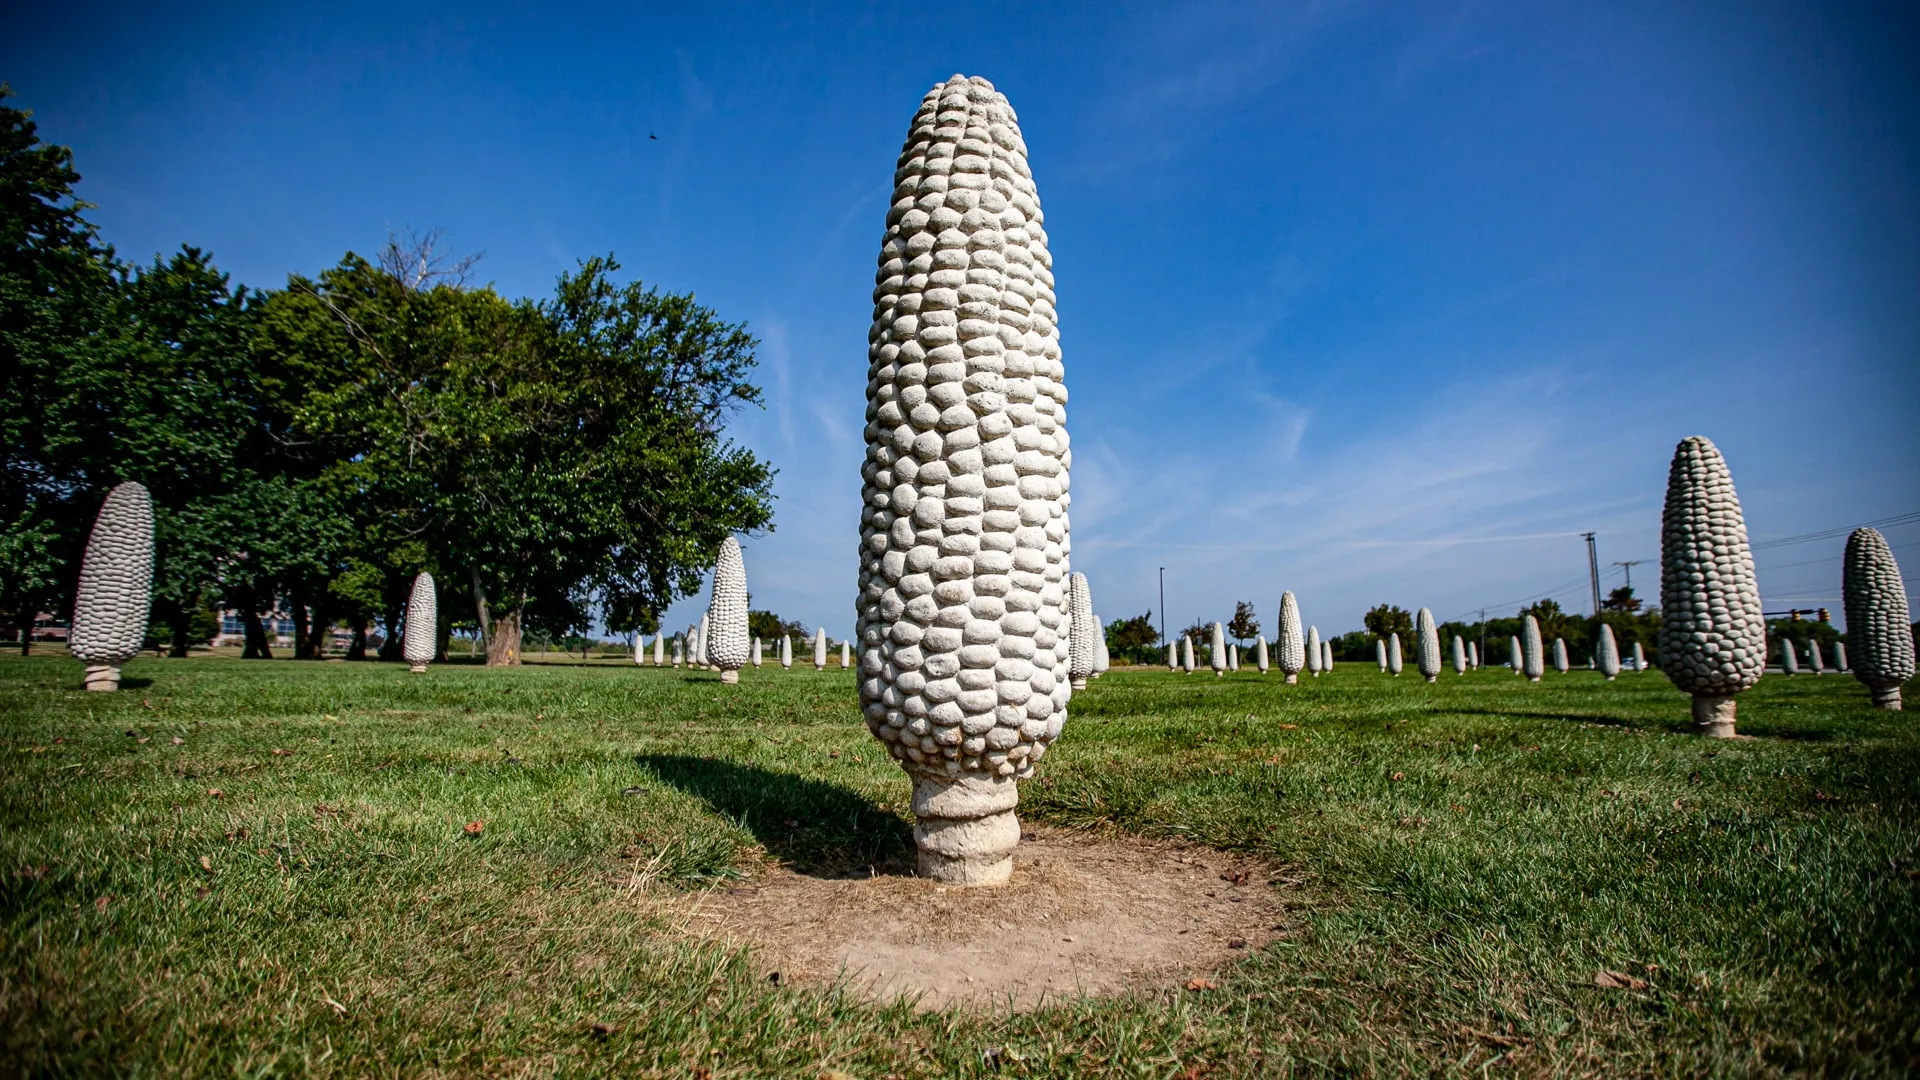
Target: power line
x: 1805, y: 538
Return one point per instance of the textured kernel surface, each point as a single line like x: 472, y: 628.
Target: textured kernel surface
x: 116, y: 579
x: 418, y: 632
x: 1713, y: 639
x: 1879, y: 630
x: 729, y: 646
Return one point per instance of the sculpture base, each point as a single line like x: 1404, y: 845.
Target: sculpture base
x: 1533, y: 678
x: 730, y: 676
x: 1293, y: 679
x: 1714, y: 715
x: 1079, y: 684
x: 1883, y: 698
x: 1610, y: 678
x: 965, y: 828
x: 418, y: 669
x: 1433, y: 678
x: 107, y: 677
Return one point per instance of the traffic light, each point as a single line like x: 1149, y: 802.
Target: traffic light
x: 1823, y: 615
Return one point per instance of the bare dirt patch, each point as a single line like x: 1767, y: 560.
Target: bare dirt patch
x: 1082, y: 916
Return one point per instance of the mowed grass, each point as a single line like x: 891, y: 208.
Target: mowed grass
x: 266, y: 868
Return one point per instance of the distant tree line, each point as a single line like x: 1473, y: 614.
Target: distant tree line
x: 310, y: 447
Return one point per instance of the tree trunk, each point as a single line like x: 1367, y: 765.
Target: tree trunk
x: 480, y: 607
x: 358, y: 649
x: 258, y: 646
x: 391, y: 646
x: 503, y: 642
x: 26, y: 635
x: 297, y: 607
x: 442, y: 636
x: 320, y: 629
x: 182, y: 627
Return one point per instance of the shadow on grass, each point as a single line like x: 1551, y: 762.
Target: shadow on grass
x: 1681, y: 726
x: 814, y: 828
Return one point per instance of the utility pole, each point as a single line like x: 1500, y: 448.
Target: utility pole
x: 1483, y: 635
x: 1593, y: 571
x: 1628, y: 567
x: 1163, y: 605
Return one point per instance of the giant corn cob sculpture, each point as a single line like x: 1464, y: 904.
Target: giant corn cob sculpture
x: 1789, y: 661
x: 1609, y: 653
x: 1292, y: 646
x: 1560, y: 663
x: 1080, y: 632
x: 1100, y: 656
x: 963, y: 621
x: 1639, y: 657
x: 1260, y: 656
x: 418, y: 634
x: 728, y: 647
x: 1459, y: 655
x: 1380, y: 652
x: 820, y: 648
x: 1326, y: 657
x: 1186, y: 654
x: 1713, y: 640
x: 1426, y: 649
x: 1316, y: 660
x: 116, y: 585
x: 1532, y: 657
x: 1877, y: 618
x: 1217, y: 650
x: 1394, y: 661
x: 1814, y: 660
x: 786, y: 652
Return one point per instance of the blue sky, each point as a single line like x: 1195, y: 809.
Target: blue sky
x: 1371, y: 302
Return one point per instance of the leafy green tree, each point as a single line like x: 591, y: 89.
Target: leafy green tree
x: 1134, y: 641
x: 767, y: 626
x: 1387, y: 619
x: 1621, y: 599
x: 1245, y: 624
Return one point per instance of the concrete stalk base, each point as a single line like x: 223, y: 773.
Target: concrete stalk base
x: 1293, y: 679
x: 1714, y: 715
x: 107, y: 677
x: 965, y: 828
x: 729, y: 676
x: 1887, y: 697
x: 1433, y: 678
x: 418, y: 669
x: 1079, y: 684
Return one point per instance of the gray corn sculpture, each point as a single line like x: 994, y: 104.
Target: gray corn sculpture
x: 679, y: 652
x: 1426, y: 649
x: 1814, y: 660
x: 659, y: 647
x: 1515, y: 655
x: 1639, y: 657
x: 1609, y: 658
x: 819, y: 648
x: 700, y: 642
x: 116, y: 586
x: 1100, y: 657
x: 1326, y: 658
x: 1560, y: 663
x: 1394, y: 663
x: 1840, y: 656
x: 1233, y: 657
x: 1316, y: 661
x: 1288, y: 639
x: 1789, y: 660
x: 846, y: 655
x: 1380, y: 652
x: 417, y: 633
x: 1713, y: 639
x: 1080, y: 635
x: 1173, y: 657
x: 1217, y: 650
x: 963, y: 619
x: 1260, y: 657
x: 1473, y: 655
x: 639, y: 648
x: 1459, y: 655
x: 728, y: 646
x: 1186, y: 654
x: 1877, y: 618
x: 1531, y: 654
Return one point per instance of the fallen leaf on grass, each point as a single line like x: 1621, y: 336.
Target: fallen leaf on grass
x: 102, y: 902
x: 337, y: 1007
x: 1821, y: 796
x: 1676, y: 804
x: 1618, y: 980
x: 601, y: 1031
x: 1234, y: 877
x: 1288, y: 727
x: 215, y: 792
x: 474, y: 828
x: 1398, y: 776
x: 1198, y: 984
x: 206, y: 864
x: 178, y: 741
x: 283, y: 753
x: 1494, y: 1037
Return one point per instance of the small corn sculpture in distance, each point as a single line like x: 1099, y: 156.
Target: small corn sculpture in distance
x: 1260, y: 655
x: 1609, y: 653
x: 820, y: 648
x: 1473, y: 655
x: 1380, y: 653
x: 678, y: 653
x: 1560, y: 661
x: 700, y: 657
x: 1515, y: 655
x: 1639, y: 657
x: 727, y: 643
x: 1173, y: 657
x: 116, y: 585
x: 1394, y: 661
x: 1100, y: 657
x: 1789, y: 661
x: 1080, y: 631
x: 846, y: 655
x: 1840, y: 656
x: 1426, y: 649
x: 1814, y: 660
x: 1532, y: 656
x: 1326, y: 659
x: 1233, y: 657
x: 639, y: 648
x: 1288, y: 639
x: 1316, y: 660
x: 1186, y: 654
x: 758, y: 652
x: 1217, y: 650
x: 419, y: 631
x: 963, y: 615
x: 786, y: 652
x: 1713, y: 639
x: 1877, y: 618
x: 660, y: 647
x: 1459, y: 655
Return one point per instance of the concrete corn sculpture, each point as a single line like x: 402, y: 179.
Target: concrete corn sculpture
x: 1100, y: 657
x: 1080, y: 631
x: 786, y: 652
x: 418, y: 632
x: 1514, y: 655
x: 1292, y: 646
x: 1394, y: 662
x: 846, y: 655
x: 1473, y: 655
x: 728, y: 646
x: 1426, y: 649
x: 1532, y: 660
x: 1840, y: 656
x: 1459, y: 655
x: 1814, y: 660
x: 1233, y: 658
x: 678, y: 653
x: 1789, y: 662
x: 1609, y: 649
x: 963, y: 618
x: 820, y: 648
x: 659, y: 648
x: 1877, y: 618
x: 1186, y: 654
x: 639, y: 649
x: 1326, y: 660
x: 115, y: 593
x: 1217, y: 650
x: 1316, y: 661
x: 1713, y: 640
x: 1560, y: 663
x: 1260, y: 656
x: 1173, y: 657
x: 1639, y: 657
x: 759, y: 652
x: 1380, y: 653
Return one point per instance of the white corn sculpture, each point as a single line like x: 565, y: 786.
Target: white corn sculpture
x: 846, y: 655
x: 1459, y: 655
x: 786, y: 651
x: 659, y: 647
x: 1326, y: 662
x: 1394, y: 663
x: 1814, y: 660
x: 963, y: 620
x: 700, y: 643
x: 1531, y: 654
x: 1186, y: 654
x: 1473, y: 656
x: 1173, y: 657
x: 1316, y: 661
x: 1380, y: 653
x: 1789, y: 662
x: 759, y: 652
x: 1217, y: 651
x: 1713, y: 639
x: 1260, y: 657
x: 820, y: 648
x: 110, y: 605
x: 1291, y: 645
x: 1609, y: 658
x: 678, y: 652
x: 1515, y: 656
x: 1080, y: 632
x: 1840, y: 656
x: 1100, y: 657
x: 1233, y: 658
x: 1639, y: 657
x: 1877, y: 618
x: 1426, y: 649
x: 639, y: 648
x: 1560, y: 663
x: 418, y: 632
x: 727, y: 643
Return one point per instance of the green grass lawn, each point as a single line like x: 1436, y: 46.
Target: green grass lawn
x: 265, y: 868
